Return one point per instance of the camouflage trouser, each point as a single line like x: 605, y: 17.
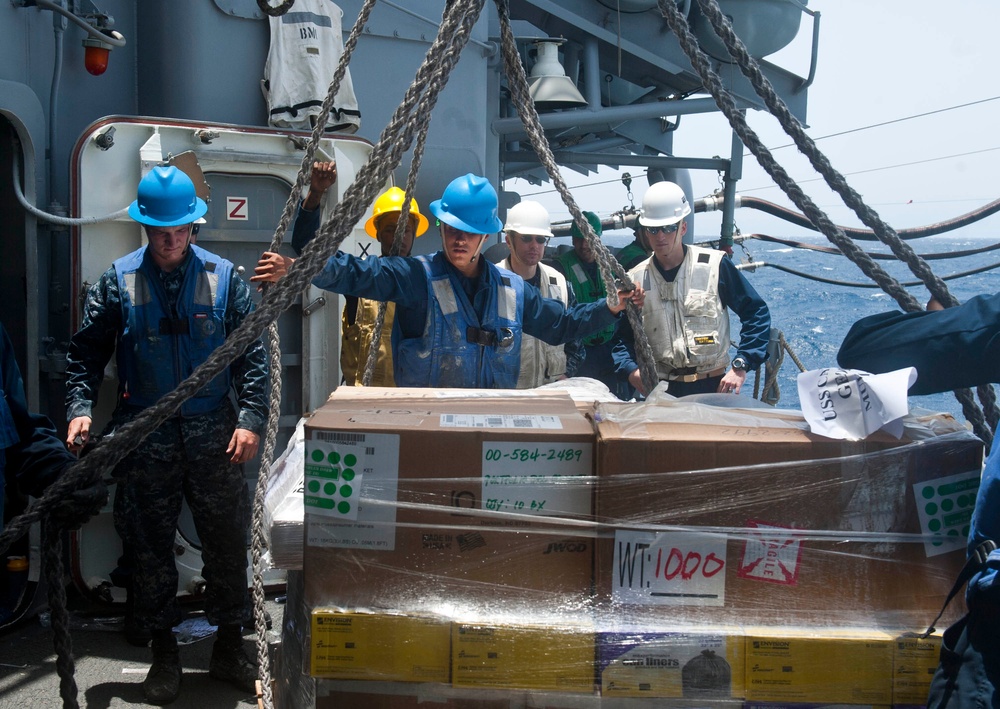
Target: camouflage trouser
x: 152, y: 482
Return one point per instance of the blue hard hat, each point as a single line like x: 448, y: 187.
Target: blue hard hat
x: 166, y: 197
x: 469, y: 203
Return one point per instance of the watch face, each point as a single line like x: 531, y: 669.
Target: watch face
x: 739, y: 363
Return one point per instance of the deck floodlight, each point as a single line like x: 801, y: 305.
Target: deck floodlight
x: 548, y: 84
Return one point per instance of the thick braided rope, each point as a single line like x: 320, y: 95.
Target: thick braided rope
x: 885, y: 233
x: 712, y: 83
x: 258, y: 535
x: 63, y: 643
x: 611, y: 270
x: 397, y: 239
x: 791, y: 125
x: 277, y: 10
x: 305, y: 167
x: 678, y: 24
x: 258, y: 544
x: 385, y: 156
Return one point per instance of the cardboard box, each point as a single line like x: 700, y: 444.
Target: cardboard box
x: 340, y: 694
x: 835, y: 666
x: 798, y: 529
x: 336, y: 694
x: 694, y: 664
x: 795, y: 705
x: 914, y: 662
x: 414, y: 504
x: 346, y: 645
x: 545, y: 657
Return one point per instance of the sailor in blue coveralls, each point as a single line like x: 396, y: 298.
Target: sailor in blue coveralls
x: 163, y: 309
x: 459, y: 319
x: 951, y: 349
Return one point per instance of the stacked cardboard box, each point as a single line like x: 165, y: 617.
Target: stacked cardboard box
x: 413, y: 505
x: 481, y: 549
x: 748, y: 518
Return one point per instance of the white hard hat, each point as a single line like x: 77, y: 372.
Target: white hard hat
x: 528, y: 218
x: 664, y: 204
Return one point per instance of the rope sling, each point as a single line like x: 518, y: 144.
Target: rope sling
x: 711, y: 81
x: 386, y: 155
x: 409, y: 122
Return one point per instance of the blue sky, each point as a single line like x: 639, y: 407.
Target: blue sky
x: 879, y: 62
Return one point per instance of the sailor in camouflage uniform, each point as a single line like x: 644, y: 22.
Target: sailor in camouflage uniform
x: 165, y: 308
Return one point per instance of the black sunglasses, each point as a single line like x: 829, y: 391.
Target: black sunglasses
x: 528, y: 238
x: 664, y: 229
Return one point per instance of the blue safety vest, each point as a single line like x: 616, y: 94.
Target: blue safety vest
x: 456, y: 349
x: 157, y: 348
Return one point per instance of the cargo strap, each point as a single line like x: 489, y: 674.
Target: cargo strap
x: 972, y: 567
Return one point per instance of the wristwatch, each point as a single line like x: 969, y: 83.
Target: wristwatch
x: 740, y: 364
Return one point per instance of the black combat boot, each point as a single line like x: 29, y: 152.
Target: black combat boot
x: 230, y: 663
x: 163, y: 683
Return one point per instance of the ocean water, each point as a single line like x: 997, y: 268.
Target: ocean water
x: 815, y: 317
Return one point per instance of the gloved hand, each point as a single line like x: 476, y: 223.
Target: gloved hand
x: 73, y: 510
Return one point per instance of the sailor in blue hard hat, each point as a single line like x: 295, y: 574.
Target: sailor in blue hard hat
x: 161, y: 311
x: 459, y: 319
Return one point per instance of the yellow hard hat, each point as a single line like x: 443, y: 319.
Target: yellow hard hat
x: 392, y: 201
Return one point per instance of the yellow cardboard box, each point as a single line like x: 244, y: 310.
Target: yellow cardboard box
x: 914, y: 661
x: 835, y: 666
x: 689, y: 663
x: 399, y: 648
x: 523, y: 656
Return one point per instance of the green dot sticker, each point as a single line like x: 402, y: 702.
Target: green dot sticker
x: 335, y: 467
x: 944, y: 507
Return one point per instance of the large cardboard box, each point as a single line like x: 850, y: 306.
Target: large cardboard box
x: 914, y: 662
x: 554, y: 656
x: 379, y: 646
x: 337, y: 694
x: 696, y: 664
x: 832, y: 666
x: 745, y: 517
x: 448, y: 500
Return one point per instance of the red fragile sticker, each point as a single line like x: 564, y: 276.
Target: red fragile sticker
x: 770, y: 554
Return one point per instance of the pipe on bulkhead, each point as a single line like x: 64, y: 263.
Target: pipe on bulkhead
x: 58, y: 28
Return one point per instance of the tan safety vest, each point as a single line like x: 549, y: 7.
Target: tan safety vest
x: 685, y: 321
x: 541, y: 362
x: 357, y: 339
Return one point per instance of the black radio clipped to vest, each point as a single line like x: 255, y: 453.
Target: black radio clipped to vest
x: 485, y: 338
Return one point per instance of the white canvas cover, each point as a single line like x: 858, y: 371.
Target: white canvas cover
x: 306, y: 46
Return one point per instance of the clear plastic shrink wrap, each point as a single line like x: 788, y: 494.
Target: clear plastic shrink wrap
x: 467, y: 548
